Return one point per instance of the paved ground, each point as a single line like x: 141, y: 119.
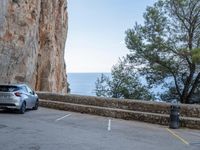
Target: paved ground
x: 47, y: 129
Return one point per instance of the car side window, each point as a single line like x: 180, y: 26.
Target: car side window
x: 24, y: 89
x: 29, y: 90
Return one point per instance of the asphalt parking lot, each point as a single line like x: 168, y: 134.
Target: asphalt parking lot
x: 48, y: 129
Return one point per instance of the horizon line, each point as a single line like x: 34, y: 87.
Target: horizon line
x: 89, y: 72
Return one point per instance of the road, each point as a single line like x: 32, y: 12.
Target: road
x: 48, y: 129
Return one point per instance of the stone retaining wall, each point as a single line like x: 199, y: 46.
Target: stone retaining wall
x: 135, y: 105
x: 155, y: 118
x: 108, y: 112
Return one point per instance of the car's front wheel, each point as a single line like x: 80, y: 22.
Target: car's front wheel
x: 23, y: 108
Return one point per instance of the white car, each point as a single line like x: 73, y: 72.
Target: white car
x: 18, y: 96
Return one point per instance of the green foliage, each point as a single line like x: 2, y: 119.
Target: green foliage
x: 68, y: 88
x: 196, y: 55
x: 102, y: 86
x: 167, y: 47
x: 124, y: 84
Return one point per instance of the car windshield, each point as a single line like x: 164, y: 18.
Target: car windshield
x: 8, y: 88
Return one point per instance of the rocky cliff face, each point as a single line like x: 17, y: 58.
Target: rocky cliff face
x: 32, y: 40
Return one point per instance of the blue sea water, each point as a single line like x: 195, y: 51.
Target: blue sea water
x: 83, y: 83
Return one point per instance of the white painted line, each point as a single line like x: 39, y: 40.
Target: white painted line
x: 109, y: 124
x: 63, y: 117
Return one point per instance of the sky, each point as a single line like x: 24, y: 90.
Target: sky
x: 96, y: 32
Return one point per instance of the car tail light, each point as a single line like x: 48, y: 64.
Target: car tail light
x: 18, y: 94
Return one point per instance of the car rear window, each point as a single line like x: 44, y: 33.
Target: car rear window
x: 8, y: 88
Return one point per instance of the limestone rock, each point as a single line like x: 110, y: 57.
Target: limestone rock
x: 32, y: 40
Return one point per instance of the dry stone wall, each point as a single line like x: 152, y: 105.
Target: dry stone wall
x: 135, y: 105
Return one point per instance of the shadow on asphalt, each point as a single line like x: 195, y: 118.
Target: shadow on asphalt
x: 12, y: 111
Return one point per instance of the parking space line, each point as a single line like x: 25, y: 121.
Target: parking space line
x: 109, y: 124
x: 63, y: 117
x: 178, y: 137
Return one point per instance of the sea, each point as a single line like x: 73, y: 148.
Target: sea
x: 83, y: 83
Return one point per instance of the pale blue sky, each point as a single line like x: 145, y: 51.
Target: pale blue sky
x: 97, y: 30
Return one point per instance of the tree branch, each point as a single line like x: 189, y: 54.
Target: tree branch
x: 181, y: 18
x: 196, y: 82
x: 187, y: 84
x: 176, y: 84
x: 173, y: 74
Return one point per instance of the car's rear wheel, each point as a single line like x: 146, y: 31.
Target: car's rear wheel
x: 36, y: 105
x: 23, y: 108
